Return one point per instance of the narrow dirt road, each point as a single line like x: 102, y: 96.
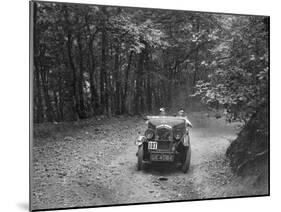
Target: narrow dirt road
x: 94, y: 163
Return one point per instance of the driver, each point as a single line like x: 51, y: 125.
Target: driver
x: 162, y: 111
x: 181, y: 113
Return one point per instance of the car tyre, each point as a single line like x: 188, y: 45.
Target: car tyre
x: 186, y: 162
x: 140, y: 158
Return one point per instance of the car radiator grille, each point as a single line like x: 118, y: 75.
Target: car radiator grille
x: 163, y: 138
x: 163, y: 134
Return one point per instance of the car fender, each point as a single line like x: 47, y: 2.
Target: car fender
x: 186, y: 141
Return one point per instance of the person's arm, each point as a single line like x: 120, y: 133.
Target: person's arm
x: 188, y: 122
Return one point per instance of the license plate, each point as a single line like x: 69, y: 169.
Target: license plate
x: 152, y: 145
x: 161, y: 157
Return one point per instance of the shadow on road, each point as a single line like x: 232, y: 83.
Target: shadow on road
x: 160, y: 169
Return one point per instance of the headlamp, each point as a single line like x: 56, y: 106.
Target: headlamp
x: 177, y: 135
x: 149, y: 134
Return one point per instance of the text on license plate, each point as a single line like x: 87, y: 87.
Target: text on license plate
x: 152, y: 145
x: 161, y: 157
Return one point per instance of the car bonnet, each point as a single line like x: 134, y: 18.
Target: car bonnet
x: 165, y: 120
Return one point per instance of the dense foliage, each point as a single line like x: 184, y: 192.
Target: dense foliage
x: 97, y: 60
x: 239, y: 82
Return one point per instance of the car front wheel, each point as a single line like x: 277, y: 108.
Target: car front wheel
x: 186, y: 161
x: 140, y: 158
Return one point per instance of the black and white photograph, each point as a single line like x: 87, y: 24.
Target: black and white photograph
x: 137, y: 105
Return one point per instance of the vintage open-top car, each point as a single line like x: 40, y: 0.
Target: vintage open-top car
x: 165, y: 140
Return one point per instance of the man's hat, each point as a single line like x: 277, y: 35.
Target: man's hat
x: 181, y: 110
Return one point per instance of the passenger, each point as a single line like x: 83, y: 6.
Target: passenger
x: 181, y: 113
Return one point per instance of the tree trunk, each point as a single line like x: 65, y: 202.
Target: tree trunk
x: 138, y: 93
x: 37, y: 98
x: 117, y: 81
x: 44, y: 78
x: 61, y: 100
x: 148, y: 86
x: 82, y: 112
x: 196, y: 66
x: 109, y: 82
x: 94, y: 94
x: 196, y: 58
x: 75, y: 98
x: 57, y: 110
x: 37, y: 91
x: 103, y: 78
x: 74, y: 77
x: 124, y: 96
